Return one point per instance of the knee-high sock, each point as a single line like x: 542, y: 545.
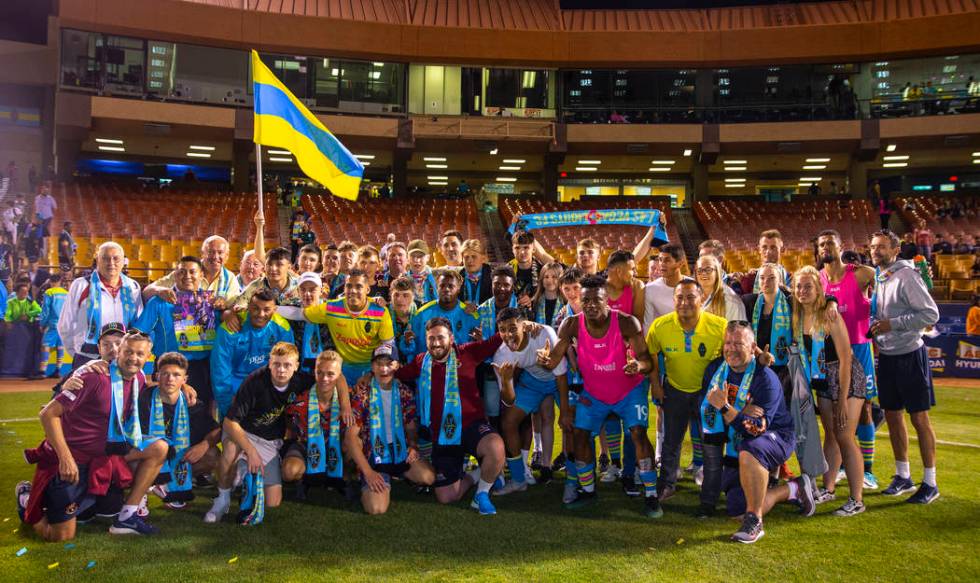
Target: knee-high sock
x: 648, y: 476
x: 614, y: 439
x: 586, y: 476
x: 866, y: 440
x: 629, y: 456
x: 516, y: 467
x: 571, y: 471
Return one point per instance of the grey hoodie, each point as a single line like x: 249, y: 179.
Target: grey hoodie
x: 903, y: 300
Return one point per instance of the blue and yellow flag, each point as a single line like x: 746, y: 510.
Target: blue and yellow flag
x: 282, y: 121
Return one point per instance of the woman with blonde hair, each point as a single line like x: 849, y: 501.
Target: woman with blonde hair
x: 719, y: 299
x: 830, y: 367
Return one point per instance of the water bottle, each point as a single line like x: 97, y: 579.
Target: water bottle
x: 923, y: 266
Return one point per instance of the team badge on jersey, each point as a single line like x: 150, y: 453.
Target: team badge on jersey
x: 367, y: 326
x: 702, y: 350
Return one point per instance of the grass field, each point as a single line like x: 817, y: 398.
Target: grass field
x: 531, y: 539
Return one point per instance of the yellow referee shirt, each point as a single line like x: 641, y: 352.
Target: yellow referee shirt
x: 355, y: 335
x: 686, y: 354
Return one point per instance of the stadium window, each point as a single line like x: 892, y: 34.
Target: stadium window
x: 365, y: 82
x: 80, y: 67
x: 123, y: 59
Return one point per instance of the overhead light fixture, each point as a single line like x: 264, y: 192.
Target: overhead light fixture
x: 688, y: 152
x: 364, y: 156
x: 108, y: 141
x: 377, y: 64
x: 514, y: 160
x: 976, y: 160
x: 494, y: 151
x: 438, y: 183
x: 734, y: 180
x: 198, y: 155
x: 433, y: 159
x: 817, y: 160
x: 365, y: 163
x: 734, y: 168
x: 805, y: 184
x: 815, y: 167
x: 895, y: 158
x: 280, y: 153
x: 437, y: 166
x: 280, y: 159
x: 204, y: 148
x: 508, y: 168
x: 662, y: 161
x: 438, y: 177
x: 734, y: 185
x: 506, y: 179
x: 660, y: 169
x: 726, y: 162
x: 811, y: 179
x: 112, y: 148
x: 895, y: 165
x: 590, y: 161
x: 891, y: 148
x: 586, y: 168
x: 976, y: 154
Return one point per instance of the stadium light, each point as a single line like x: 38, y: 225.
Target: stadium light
x: 436, y: 166
x: 815, y: 167
x: 108, y: 141
x: 586, y: 168
x: 364, y: 156
x: 895, y: 158
x: 811, y: 179
x: 280, y: 159
x: 662, y: 162
x: 735, y: 168
x: 112, y: 148
x: 817, y: 160
x: 514, y: 160
x: 203, y: 148
x: 506, y: 179
x: 688, y: 152
x: 727, y: 162
x: 590, y: 161
x: 891, y: 148
x: 895, y: 165
x: 433, y: 159
x: 438, y: 178
x: 198, y: 155
x: 660, y: 169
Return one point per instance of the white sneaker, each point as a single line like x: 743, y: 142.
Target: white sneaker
x: 570, y: 493
x: 529, y: 478
x: 699, y: 475
x: 160, y: 491
x: 611, y: 475
x: 217, y: 512
x: 143, y: 510
x: 510, y: 487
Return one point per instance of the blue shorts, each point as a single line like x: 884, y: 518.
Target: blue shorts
x: 51, y: 338
x: 771, y: 449
x: 353, y: 371
x: 864, y: 355
x: 633, y: 409
x: 532, y: 391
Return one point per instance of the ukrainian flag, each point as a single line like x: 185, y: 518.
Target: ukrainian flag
x: 282, y: 121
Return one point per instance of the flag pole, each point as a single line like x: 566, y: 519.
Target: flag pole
x: 258, y: 177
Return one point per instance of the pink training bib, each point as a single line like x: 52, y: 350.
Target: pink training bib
x: 854, y: 306
x: 624, y: 303
x: 601, y: 362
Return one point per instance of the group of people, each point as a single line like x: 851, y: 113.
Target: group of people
x: 354, y: 367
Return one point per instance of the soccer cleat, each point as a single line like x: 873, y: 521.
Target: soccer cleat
x: 143, y: 510
x: 850, y: 508
x: 536, y: 460
x: 482, y: 503
x: 22, y: 493
x: 175, y: 505
x: 611, y: 474
x: 629, y: 486
x: 583, y: 500
x: 925, y: 495
x: 133, y: 525
x: 699, y: 475
x: 899, y: 486
x: 558, y: 464
x: 510, y: 487
x: 217, y: 512
x: 750, y: 531
x: 870, y: 481
x: 806, y: 495
x: 570, y: 493
x: 651, y: 507
x: 824, y: 496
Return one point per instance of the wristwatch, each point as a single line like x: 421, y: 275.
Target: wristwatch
x: 725, y: 409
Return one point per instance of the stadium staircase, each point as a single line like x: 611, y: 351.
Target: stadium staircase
x: 691, y: 233
x: 498, y: 249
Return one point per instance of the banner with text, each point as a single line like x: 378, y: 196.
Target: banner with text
x: 642, y: 217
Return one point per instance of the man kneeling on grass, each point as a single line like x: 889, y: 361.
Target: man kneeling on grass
x: 383, y: 440
x: 91, y: 439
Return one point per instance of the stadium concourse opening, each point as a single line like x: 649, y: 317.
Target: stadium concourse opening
x: 418, y: 289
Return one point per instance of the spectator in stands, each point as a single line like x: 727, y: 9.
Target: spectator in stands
x: 105, y: 296
x: 616, y: 117
x: 11, y: 221
x: 66, y: 248
x: 961, y: 246
x: 923, y: 241
x: 975, y: 269
x: 941, y: 246
x: 249, y: 269
x: 973, y: 314
x: 462, y: 189
x: 54, y: 303
x: 908, y: 249
x: 6, y: 258
x: 44, y: 207
x: 33, y: 240
x: 305, y: 237
x: 21, y: 308
x: 216, y: 278
x: 450, y: 244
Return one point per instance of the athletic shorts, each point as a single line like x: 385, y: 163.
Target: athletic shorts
x: 64, y: 501
x: 51, y: 338
x: 633, y: 409
x: 865, y: 355
x: 386, y: 471
x: 532, y: 391
x: 271, y: 472
x: 829, y: 388
x: 905, y: 382
x: 448, y: 460
x: 573, y: 392
x: 771, y: 449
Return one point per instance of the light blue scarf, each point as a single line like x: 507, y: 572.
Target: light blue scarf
x: 452, y: 408
x: 383, y: 454
x: 95, y: 305
x: 320, y: 455
x: 224, y: 282
x: 179, y: 437
x: 541, y: 315
x: 712, y: 422
x: 814, y: 365
x: 125, y: 430
x: 782, y: 328
x: 488, y: 315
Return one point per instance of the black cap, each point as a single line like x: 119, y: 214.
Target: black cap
x: 112, y: 328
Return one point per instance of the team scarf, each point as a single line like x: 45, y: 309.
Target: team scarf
x: 95, y: 304
x: 534, y: 272
x: 399, y: 328
x: 179, y: 437
x: 224, y: 282
x: 323, y: 455
x: 783, y: 277
x: 473, y: 292
x: 880, y: 278
x: 574, y: 376
x: 251, y: 511
x: 336, y: 283
x: 125, y: 430
x: 813, y: 360
x: 782, y: 328
x: 425, y: 285
x: 541, y: 316
x: 488, y: 315
x: 383, y: 454
x: 452, y: 407
x: 712, y: 422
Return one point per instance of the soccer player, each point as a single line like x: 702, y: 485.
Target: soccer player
x: 215, y: 277
x: 54, y: 303
x: 189, y: 430
x: 451, y: 414
x: 91, y: 438
x: 105, y: 296
x: 160, y: 315
x: 503, y: 297
x: 450, y: 244
x: 526, y: 387
x: 745, y: 417
x: 613, y: 385
x: 448, y: 306
x: 253, y: 430
x: 689, y: 338
x: 236, y: 354
x: 382, y: 441
x: 903, y: 308
x: 851, y: 285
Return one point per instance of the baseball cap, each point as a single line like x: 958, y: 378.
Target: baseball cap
x: 310, y: 277
x: 112, y: 328
x: 381, y: 352
x: 417, y: 245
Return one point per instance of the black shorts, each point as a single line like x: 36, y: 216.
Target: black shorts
x: 905, y: 382
x: 64, y: 501
x: 199, y: 377
x: 448, y: 460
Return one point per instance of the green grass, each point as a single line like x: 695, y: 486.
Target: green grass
x: 531, y: 539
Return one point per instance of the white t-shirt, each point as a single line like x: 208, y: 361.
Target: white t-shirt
x: 527, y: 359
x: 658, y: 298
